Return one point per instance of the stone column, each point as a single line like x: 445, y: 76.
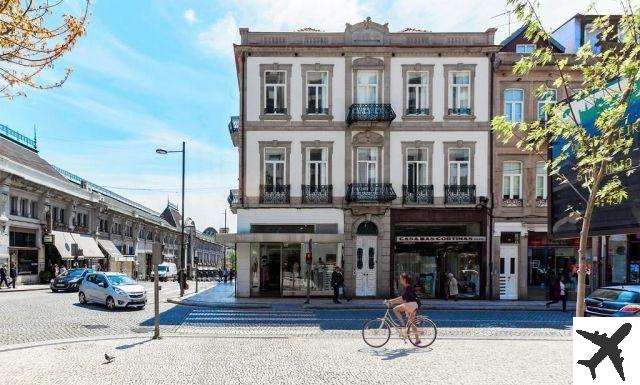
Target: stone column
x: 243, y: 264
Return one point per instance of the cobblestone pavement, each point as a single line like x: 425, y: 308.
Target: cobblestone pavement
x: 290, y: 360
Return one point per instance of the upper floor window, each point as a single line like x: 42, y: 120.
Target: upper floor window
x: 525, y: 48
x: 54, y: 215
x: 367, y: 165
x: 150, y: 236
x: 591, y: 35
x: 274, y: 166
x: 417, y: 93
x: 459, y: 93
x: 317, y: 167
x: 34, y: 209
x: 14, y: 205
x: 275, y: 91
x: 541, y: 180
x: 512, y: 180
x: 24, y: 207
x: 549, y: 97
x: 513, y: 103
x: 367, y: 87
x: 417, y: 167
x: 459, y: 164
x: 317, y: 92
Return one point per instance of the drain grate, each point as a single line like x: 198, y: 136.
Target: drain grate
x: 94, y: 327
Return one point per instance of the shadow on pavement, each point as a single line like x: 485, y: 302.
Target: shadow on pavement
x: 129, y: 346
x: 392, y: 354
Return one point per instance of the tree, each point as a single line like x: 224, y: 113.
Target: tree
x: 34, y: 34
x: 589, y: 153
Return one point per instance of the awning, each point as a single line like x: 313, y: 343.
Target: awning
x: 88, y: 246
x: 111, y: 249
x: 63, y: 242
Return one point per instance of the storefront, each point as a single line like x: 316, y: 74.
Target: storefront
x: 622, y: 259
x: 430, y: 244
x: 23, y: 252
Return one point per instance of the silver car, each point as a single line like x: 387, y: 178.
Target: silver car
x: 115, y: 290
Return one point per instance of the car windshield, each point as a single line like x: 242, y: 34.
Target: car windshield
x: 119, y: 280
x: 162, y: 268
x: 615, y: 295
x: 73, y: 273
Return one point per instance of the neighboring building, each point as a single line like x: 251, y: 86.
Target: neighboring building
x: 373, y: 145
x: 47, y: 215
x: 576, y: 31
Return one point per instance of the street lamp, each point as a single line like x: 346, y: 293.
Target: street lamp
x: 182, y: 255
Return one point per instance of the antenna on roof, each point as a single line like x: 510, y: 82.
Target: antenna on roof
x: 508, y: 13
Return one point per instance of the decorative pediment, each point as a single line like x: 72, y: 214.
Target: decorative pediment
x: 368, y: 138
x: 368, y: 62
x: 366, y: 33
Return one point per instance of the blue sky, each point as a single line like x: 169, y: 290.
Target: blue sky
x: 151, y: 74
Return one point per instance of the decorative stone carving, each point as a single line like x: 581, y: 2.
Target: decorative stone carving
x: 368, y: 138
x: 368, y: 62
x: 366, y: 32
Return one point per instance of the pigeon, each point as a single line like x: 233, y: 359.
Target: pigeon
x: 109, y: 358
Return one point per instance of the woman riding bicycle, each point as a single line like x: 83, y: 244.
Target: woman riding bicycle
x: 408, y: 302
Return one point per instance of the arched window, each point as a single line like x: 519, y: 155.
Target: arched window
x: 367, y: 228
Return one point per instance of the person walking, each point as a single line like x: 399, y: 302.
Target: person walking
x: 3, y: 276
x: 337, y: 280
x: 452, y: 287
x: 13, y: 273
x: 342, y: 290
x: 559, y: 294
x: 225, y: 274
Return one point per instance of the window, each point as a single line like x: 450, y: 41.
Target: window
x: 367, y: 165
x: 78, y: 220
x: 513, y: 102
x: 549, y: 97
x: 274, y: 166
x: 367, y: 91
x: 512, y: 180
x: 317, y: 167
x: 591, y: 36
x: 84, y: 220
x: 459, y: 93
x: 417, y: 93
x: 150, y: 236
x: 541, y: 181
x: 275, y: 91
x: 61, y: 219
x: 459, y: 166
x: 525, y: 48
x: 417, y: 166
x: 54, y: 215
x: 14, y: 205
x: 34, y: 209
x: 24, y: 207
x: 317, y: 92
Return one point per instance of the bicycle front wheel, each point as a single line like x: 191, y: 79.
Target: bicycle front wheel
x: 376, y: 332
x: 422, y: 332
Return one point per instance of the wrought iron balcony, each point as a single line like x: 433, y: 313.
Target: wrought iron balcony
x: 275, y: 110
x: 459, y: 194
x: 234, y: 198
x: 318, y: 111
x: 279, y: 194
x: 417, y: 194
x: 459, y: 111
x: 234, y: 122
x: 317, y: 194
x: 541, y: 202
x: 370, y: 113
x: 370, y: 192
x: 511, y: 202
x: 417, y: 111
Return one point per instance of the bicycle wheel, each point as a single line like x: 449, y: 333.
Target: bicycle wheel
x: 422, y: 332
x: 376, y: 332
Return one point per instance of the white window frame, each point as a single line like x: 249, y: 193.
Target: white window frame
x: 526, y: 48
x: 513, y: 104
x: 24, y: 207
x: 367, y: 86
x: 541, y: 103
x: 275, y: 92
x: 508, y: 181
x: 452, y: 104
x: 275, y: 163
x: 419, y: 88
x: 417, y: 164
x: 324, y: 87
x: 543, y: 178
x: 322, y: 164
x: 368, y: 163
x: 458, y: 164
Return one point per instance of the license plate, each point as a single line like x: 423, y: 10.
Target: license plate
x: 60, y: 285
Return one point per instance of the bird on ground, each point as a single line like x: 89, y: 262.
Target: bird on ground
x: 109, y: 358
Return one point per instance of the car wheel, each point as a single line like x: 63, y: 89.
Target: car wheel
x: 111, y: 303
x: 82, y: 298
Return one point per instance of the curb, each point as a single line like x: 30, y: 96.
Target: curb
x: 24, y: 289
x: 426, y: 307
x: 219, y: 305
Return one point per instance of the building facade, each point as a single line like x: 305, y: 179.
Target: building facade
x: 370, y: 146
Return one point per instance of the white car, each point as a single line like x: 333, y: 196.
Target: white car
x: 113, y: 290
x: 166, y: 270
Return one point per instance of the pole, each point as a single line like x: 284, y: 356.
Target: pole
x: 309, y: 260
x: 183, y: 261
x: 224, y: 256
x: 156, y: 303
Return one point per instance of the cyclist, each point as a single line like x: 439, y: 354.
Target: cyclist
x: 408, y: 303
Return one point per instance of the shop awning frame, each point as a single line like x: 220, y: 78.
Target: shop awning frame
x: 63, y: 241
x: 88, y: 245
x: 110, y: 248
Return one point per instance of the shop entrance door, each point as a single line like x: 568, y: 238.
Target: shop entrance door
x: 270, y: 267
x: 366, y: 265
x: 509, y: 271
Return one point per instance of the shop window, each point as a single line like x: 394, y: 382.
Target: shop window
x: 359, y: 258
x: 372, y: 261
x: 617, y: 253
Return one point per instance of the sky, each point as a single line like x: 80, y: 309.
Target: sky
x: 153, y: 73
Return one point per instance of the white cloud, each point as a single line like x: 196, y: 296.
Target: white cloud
x: 190, y: 16
x: 218, y: 38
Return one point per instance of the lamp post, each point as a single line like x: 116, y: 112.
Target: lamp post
x: 182, y: 254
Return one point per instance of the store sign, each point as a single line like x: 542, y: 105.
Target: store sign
x: 610, y: 217
x: 48, y: 238
x: 442, y: 238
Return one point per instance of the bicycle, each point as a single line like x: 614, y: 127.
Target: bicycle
x: 420, y: 331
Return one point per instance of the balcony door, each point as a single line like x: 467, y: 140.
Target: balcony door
x: 274, y: 169
x: 417, y: 168
x: 367, y: 87
x: 367, y: 167
x: 459, y: 164
x: 317, y: 168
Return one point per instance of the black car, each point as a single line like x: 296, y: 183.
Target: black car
x: 69, y: 280
x: 614, y: 301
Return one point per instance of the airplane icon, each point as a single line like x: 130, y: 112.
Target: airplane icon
x: 608, y: 347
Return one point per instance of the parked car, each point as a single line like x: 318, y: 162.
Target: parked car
x: 69, y: 280
x: 166, y: 271
x: 114, y: 290
x: 614, y: 301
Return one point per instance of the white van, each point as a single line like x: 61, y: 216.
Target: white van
x: 166, y: 271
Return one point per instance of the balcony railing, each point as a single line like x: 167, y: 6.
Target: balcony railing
x: 234, y: 198
x: 370, y: 113
x: 275, y: 110
x: 279, y: 194
x: 234, y: 122
x: 511, y: 202
x: 370, y: 192
x: 317, y: 194
x: 459, y: 194
x: 417, y: 194
x: 541, y: 202
x: 417, y: 111
x: 459, y: 111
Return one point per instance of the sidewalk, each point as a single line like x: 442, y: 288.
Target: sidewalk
x: 221, y: 296
x: 24, y: 288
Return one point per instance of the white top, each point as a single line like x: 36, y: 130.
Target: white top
x: 562, y: 291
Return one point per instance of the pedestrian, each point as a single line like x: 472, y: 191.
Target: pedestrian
x: 56, y: 270
x: 343, y: 290
x: 13, y: 273
x: 225, y: 274
x: 452, y: 287
x: 559, y: 294
x: 336, y: 283
x: 220, y: 275
x: 232, y: 275
x: 3, y: 276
